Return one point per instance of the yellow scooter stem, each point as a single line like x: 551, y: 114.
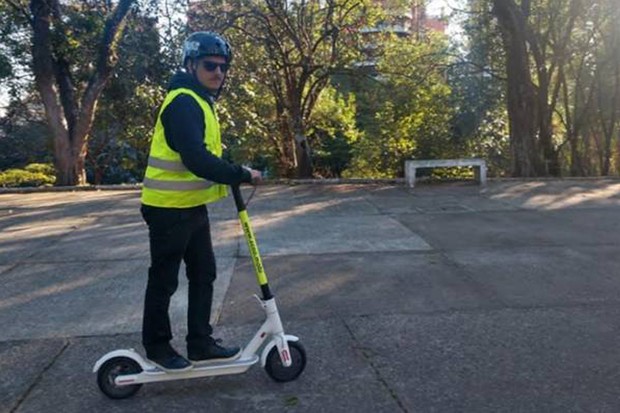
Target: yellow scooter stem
x: 261, y: 276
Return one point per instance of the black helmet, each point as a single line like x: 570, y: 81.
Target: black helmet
x: 201, y: 44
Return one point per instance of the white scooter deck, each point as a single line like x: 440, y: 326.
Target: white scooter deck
x: 155, y: 374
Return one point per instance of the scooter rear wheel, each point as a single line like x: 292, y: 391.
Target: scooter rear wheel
x: 113, y: 368
x: 276, y: 370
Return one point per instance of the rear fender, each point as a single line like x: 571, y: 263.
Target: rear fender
x: 129, y: 353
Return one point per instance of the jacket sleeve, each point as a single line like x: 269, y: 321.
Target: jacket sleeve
x: 184, y: 128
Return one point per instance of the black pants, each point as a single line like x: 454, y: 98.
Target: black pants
x: 175, y: 235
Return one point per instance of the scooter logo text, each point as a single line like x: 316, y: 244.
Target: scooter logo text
x: 253, y: 248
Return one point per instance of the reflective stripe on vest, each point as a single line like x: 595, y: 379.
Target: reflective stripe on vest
x: 174, y: 166
x: 175, y: 185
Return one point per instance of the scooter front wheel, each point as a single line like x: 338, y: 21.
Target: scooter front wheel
x: 277, y: 371
x: 110, y: 370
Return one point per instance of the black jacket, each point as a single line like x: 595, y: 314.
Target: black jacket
x: 184, y: 128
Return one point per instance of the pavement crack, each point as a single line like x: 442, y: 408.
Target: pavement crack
x: 485, y: 291
x: 10, y: 268
x: 367, y: 354
x: 38, y: 379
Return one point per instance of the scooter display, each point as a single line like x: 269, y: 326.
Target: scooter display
x: 121, y: 373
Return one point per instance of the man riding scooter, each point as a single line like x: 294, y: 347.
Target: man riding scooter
x: 185, y: 173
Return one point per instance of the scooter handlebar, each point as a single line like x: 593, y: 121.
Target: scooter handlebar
x: 239, y: 202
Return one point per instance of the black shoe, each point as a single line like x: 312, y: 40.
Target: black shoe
x: 171, y: 362
x: 213, y: 352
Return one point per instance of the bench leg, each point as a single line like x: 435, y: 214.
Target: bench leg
x: 410, y: 175
x: 480, y: 173
x: 483, y: 175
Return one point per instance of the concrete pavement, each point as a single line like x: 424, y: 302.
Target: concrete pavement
x: 444, y: 298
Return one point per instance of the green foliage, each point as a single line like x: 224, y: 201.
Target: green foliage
x: 285, y: 54
x: 588, y: 119
x: 405, y: 111
x: 14, y: 50
x: 6, y: 69
x: 35, y: 174
x: 333, y: 133
x: 119, y: 142
x: 424, y: 100
x: 40, y: 168
x: 24, y: 136
x: 480, y: 121
x: 249, y: 127
x: 490, y: 141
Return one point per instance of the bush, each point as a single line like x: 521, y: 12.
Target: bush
x: 41, y: 168
x: 34, y: 174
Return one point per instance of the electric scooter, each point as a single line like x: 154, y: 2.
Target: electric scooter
x: 121, y: 373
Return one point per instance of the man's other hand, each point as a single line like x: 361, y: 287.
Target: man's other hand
x: 257, y: 176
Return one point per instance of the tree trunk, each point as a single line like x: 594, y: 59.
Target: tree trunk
x: 609, y: 125
x: 521, y: 97
x: 302, y: 154
x: 69, y: 120
x: 550, y: 165
x: 286, y: 164
x: 69, y: 171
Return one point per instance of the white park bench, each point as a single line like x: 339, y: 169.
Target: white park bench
x: 480, y: 167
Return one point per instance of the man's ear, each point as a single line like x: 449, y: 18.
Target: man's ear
x: 191, y: 66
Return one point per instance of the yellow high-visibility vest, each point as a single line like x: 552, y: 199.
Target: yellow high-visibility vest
x: 167, y: 182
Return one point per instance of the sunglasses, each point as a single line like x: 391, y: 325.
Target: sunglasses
x: 210, y: 66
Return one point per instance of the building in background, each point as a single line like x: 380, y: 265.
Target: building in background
x: 411, y: 21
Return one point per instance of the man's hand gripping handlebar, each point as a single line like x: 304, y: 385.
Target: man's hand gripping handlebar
x: 257, y: 176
